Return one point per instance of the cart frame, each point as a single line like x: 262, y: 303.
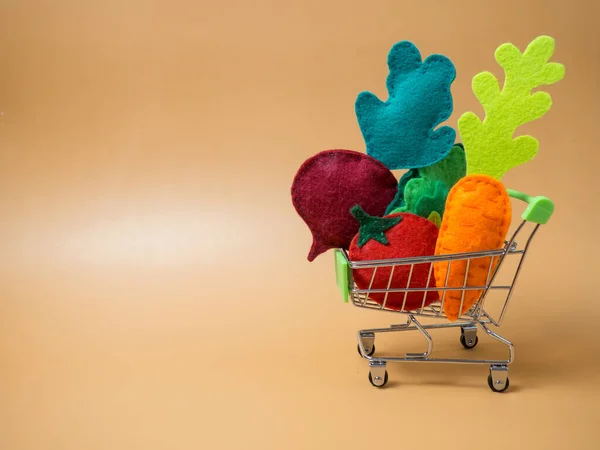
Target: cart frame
x: 537, y: 213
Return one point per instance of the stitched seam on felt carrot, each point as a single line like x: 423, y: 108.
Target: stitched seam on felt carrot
x: 502, y: 233
x: 452, y: 300
x: 453, y: 297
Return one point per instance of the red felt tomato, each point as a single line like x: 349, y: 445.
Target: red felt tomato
x: 385, y: 238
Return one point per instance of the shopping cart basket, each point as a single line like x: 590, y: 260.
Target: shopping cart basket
x: 537, y: 213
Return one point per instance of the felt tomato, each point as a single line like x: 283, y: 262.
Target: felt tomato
x: 400, y: 235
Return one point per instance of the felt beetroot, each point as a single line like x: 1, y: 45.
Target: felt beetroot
x: 331, y: 182
x: 401, y: 235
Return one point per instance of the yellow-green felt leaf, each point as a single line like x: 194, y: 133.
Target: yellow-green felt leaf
x: 490, y: 145
x: 435, y: 218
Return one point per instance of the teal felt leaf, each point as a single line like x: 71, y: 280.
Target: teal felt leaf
x: 401, y: 132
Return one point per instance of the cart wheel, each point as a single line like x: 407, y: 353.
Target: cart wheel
x: 369, y: 351
x: 378, y: 381
x: 471, y: 343
x: 498, y: 388
x: 468, y: 336
x: 498, y: 378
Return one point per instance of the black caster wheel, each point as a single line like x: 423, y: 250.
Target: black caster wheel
x: 497, y: 388
x: 369, y: 353
x: 468, y: 345
x: 378, y: 382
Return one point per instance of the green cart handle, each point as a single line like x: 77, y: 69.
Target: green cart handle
x: 539, y: 209
x: 342, y: 274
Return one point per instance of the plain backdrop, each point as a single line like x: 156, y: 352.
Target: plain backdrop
x: 154, y: 287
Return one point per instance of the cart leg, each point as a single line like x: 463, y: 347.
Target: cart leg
x: 511, y: 347
x: 427, y: 337
x: 498, y: 378
x: 367, y: 341
x: 378, y: 375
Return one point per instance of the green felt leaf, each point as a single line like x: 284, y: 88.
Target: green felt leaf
x: 373, y: 227
x: 426, y: 190
x: 423, y: 196
x: 436, y: 202
x: 401, y: 209
x: 489, y: 144
x: 450, y: 169
x: 398, y: 201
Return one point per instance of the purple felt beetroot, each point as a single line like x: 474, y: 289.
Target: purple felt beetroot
x: 329, y: 184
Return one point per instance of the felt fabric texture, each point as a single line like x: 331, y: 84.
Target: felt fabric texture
x: 398, y: 201
x: 425, y: 189
x: 424, y: 196
x: 331, y: 182
x: 401, y: 132
x: 450, y: 169
x: 490, y: 146
x: 372, y: 227
x: 412, y: 236
x: 435, y: 218
x: 478, y: 215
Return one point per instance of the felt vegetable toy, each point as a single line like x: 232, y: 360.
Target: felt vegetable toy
x: 328, y: 184
x: 435, y: 218
x: 401, y: 132
x: 399, y: 201
x: 394, y: 236
x: 424, y: 190
x: 478, y: 210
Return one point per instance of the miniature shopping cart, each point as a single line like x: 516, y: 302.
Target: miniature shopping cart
x: 537, y: 213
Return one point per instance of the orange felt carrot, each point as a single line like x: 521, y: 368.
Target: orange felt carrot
x: 477, y: 217
x: 477, y: 213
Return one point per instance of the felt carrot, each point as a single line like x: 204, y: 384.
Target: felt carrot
x: 478, y: 211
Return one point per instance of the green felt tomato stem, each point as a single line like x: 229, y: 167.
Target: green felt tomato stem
x: 489, y: 145
x: 372, y: 227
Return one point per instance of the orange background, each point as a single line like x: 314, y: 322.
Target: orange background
x: 154, y: 288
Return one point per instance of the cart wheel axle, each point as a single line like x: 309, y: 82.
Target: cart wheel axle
x: 368, y: 342
x: 498, y: 378
x: 498, y: 388
x: 369, y: 351
x: 471, y: 343
x: 468, y: 337
x: 378, y: 380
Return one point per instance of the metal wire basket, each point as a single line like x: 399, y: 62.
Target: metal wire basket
x: 537, y: 213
